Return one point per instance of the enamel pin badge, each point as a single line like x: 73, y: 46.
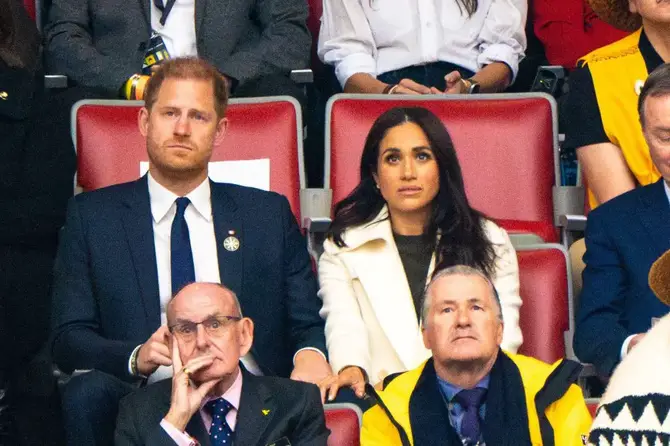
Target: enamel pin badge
x: 231, y: 243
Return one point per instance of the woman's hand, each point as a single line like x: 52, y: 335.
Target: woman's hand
x: 350, y: 376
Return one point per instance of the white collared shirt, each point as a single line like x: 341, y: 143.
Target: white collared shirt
x: 377, y: 36
x: 178, y: 33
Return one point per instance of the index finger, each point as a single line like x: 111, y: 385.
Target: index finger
x: 176, y: 359
x: 409, y: 83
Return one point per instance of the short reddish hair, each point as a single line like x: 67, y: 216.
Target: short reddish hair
x: 188, y: 68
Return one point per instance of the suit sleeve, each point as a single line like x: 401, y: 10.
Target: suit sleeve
x: 70, y: 51
x: 77, y: 343
x: 284, y: 44
x: 311, y: 429
x: 346, y: 335
x: 306, y: 326
x: 599, y: 332
x: 127, y: 432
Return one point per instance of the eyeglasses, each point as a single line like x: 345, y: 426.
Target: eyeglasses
x: 214, y: 327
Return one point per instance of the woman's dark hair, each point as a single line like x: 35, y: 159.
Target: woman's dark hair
x: 470, y: 6
x: 19, y: 39
x: 463, y: 240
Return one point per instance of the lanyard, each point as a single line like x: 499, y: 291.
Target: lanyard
x: 165, y: 10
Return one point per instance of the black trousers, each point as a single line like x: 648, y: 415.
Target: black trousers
x: 430, y: 75
x: 25, y: 308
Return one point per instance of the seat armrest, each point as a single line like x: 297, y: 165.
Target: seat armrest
x: 316, y: 225
x: 304, y: 76
x: 571, y: 222
x: 55, y: 81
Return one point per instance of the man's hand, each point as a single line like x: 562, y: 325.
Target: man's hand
x: 311, y: 367
x: 408, y: 86
x: 455, y: 84
x: 155, y: 352
x: 186, y: 399
x: 351, y: 376
x: 635, y: 340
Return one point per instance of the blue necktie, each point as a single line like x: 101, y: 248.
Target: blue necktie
x: 471, y: 401
x: 220, y: 433
x: 183, y: 271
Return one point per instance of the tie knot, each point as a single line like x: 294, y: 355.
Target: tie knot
x: 219, y: 406
x: 471, y: 398
x: 182, y: 204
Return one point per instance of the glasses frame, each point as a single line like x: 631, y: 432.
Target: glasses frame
x: 225, y: 321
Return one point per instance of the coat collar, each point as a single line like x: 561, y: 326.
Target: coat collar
x: 378, y: 229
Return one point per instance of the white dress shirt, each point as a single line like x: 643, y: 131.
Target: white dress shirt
x: 377, y: 36
x: 178, y: 33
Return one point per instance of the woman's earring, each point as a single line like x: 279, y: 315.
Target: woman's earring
x: 377, y: 185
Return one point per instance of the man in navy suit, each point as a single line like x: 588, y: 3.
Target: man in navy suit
x: 126, y: 249
x: 623, y: 238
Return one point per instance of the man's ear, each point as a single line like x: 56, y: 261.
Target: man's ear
x: 499, y: 333
x: 143, y: 121
x: 426, y: 339
x: 246, y: 332
x: 221, y: 128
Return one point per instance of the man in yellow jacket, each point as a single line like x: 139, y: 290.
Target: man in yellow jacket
x: 471, y: 392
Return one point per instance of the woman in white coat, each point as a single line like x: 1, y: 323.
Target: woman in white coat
x: 408, y: 217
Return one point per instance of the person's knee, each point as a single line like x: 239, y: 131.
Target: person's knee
x: 89, y: 391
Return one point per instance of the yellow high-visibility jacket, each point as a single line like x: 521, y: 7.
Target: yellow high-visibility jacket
x: 568, y: 415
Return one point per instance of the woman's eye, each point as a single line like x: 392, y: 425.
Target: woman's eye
x: 424, y: 156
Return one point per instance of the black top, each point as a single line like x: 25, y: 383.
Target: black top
x: 415, y: 253
x: 582, y: 116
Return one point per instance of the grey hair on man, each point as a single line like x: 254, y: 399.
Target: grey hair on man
x: 218, y: 285
x: 456, y: 270
x: 657, y: 84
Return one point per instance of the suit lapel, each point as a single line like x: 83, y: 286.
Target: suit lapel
x: 196, y: 429
x: 257, y: 409
x: 656, y: 215
x: 200, y: 14
x: 382, y: 276
x: 227, y: 219
x: 138, y: 226
x: 145, y: 7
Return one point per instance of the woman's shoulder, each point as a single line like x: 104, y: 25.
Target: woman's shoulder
x: 495, y: 234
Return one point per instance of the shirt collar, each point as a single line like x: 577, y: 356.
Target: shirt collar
x: 162, y: 199
x: 232, y: 395
x: 449, y: 390
x: 667, y: 190
x: 652, y: 59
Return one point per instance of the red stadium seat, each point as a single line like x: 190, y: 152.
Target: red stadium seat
x: 592, y: 404
x: 546, y: 312
x: 110, y: 147
x: 507, y: 146
x: 344, y: 422
x: 30, y: 7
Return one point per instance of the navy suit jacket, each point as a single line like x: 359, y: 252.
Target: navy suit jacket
x: 623, y: 238
x: 106, y: 299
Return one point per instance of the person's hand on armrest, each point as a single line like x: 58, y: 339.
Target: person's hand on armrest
x: 350, y: 376
x: 606, y: 171
x: 310, y: 365
x: 366, y: 83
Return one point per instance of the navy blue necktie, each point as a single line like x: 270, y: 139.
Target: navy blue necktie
x: 181, y: 258
x: 220, y: 434
x: 471, y: 401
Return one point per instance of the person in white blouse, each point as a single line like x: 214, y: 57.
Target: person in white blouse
x: 407, y: 218
x: 431, y: 46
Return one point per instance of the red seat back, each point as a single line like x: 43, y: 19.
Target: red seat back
x: 30, y: 7
x: 506, y: 146
x: 110, y: 146
x: 544, y: 289
x: 344, y: 422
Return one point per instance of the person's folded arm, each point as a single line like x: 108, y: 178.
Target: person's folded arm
x: 346, y: 334
x: 346, y: 43
x: 77, y: 343
x: 502, y: 40
x: 69, y: 48
x: 284, y: 44
x: 606, y: 171
x: 599, y: 333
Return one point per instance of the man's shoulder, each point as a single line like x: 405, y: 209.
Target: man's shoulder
x: 150, y: 395
x: 107, y: 196
x: 248, y: 196
x: 286, y: 389
x: 626, y: 203
x: 622, y: 48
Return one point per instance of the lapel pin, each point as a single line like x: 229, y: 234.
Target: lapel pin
x: 638, y: 86
x: 265, y: 411
x: 231, y: 243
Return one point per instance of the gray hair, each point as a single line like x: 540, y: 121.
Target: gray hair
x: 456, y: 270
x: 656, y: 85
x: 218, y: 285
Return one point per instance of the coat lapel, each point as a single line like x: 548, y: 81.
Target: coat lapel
x: 656, y: 215
x: 138, y: 226
x: 379, y: 269
x: 257, y: 409
x: 228, y: 223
